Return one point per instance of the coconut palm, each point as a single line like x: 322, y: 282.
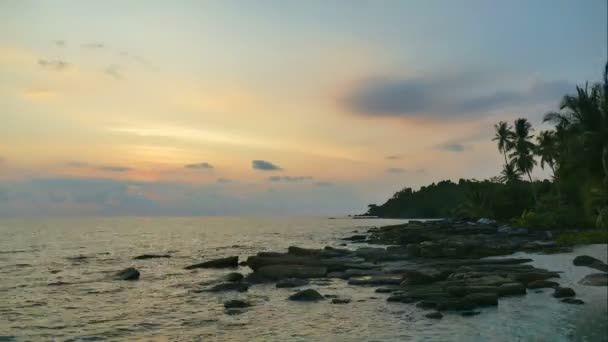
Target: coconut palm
x: 509, y: 174
x: 547, y: 149
x: 504, y: 137
x: 523, y: 148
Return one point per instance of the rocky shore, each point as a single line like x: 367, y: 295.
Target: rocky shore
x: 441, y: 266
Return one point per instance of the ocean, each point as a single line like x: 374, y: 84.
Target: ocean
x: 56, y: 284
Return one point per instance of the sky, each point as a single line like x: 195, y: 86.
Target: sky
x: 271, y: 107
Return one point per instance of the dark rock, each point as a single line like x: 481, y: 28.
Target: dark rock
x: 376, y: 280
x: 595, y: 279
x: 130, y: 273
x: 58, y: 283
x: 330, y: 252
x: 234, y: 276
x: 306, y: 295
x: 510, y: 289
x: 232, y: 312
x: 434, y: 315
x: 469, y: 313
x: 542, y: 284
x: 422, y: 277
x: 236, y: 304
x: 387, y: 289
x: 456, y: 304
x: 232, y: 261
x: 561, y: 292
x: 529, y: 277
x: 340, y: 301
x: 356, y: 238
x: 401, y: 298
x: 585, y: 260
x: 291, y: 282
x: 482, y: 299
x: 276, y: 272
x: 299, y: 251
x: 427, y: 304
x: 151, y: 256
x: 234, y: 286
x: 572, y: 301
x: 461, y: 291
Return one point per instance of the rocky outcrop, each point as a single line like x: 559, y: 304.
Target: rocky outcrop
x: 233, y: 276
x: 151, y: 256
x: 234, y: 286
x: 130, y: 273
x: 232, y: 261
x: 291, y: 282
x: 282, y: 271
x: 585, y: 260
x: 236, y: 304
x: 541, y: 284
x: 562, y: 292
x: 308, y: 295
x: 595, y: 279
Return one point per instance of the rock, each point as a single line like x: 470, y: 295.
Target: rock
x: 427, y: 304
x: 456, y: 304
x: 291, y: 282
x: 541, y: 284
x: 482, y: 299
x: 422, y: 277
x: 276, y: 272
x: 429, y: 249
x: 561, y: 292
x: 595, y: 279
x: 529, y: 277
x: 376, y: 280
x: 233, y: 276
x: 330, y: 252
x: 234, y: 286
x: 510, y: 289
x: 469, y: 313
x: 387, y: 289
x: 232, y: 312
x: 434, y: 315
x: 151, y: 256
x: 340, y: 301
x: 401, y: 298
x: 236, y: 304
x: 299, y: 251
x: 306, y: 296
x: 232, y: 261
x: 356, y: 238
x: 130, y: 273
x: 486, y: 221
x: 359, y: 273
x: 572, y: 301
x: 585, y: 260
x: 461, y: 291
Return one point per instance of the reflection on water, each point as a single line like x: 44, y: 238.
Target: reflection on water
x: 78, y: 255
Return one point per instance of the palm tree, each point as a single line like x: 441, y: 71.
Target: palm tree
x: 504, y: 136
x: 523, y: 149
x: 547, y: 149
x: 509, y: 174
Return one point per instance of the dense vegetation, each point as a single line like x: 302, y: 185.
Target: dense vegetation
x: 575, y: 150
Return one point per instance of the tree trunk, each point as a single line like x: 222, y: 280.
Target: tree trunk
x: 605, y: 160
x: 505, y: 154
x: 533, y: 189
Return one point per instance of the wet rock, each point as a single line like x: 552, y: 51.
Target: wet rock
x: 291, y: 282
x: 387, y: 289
x: 276, y: 272
x: 561, y: 292
x: 585, y: 260
x: 511, y: 289
x: 232, y: 261
x: 340, y: 301
x: 429, y: 249
x: 572, y: 301
x: 151, y: 256
x: 542, y: 284
x: 232, y: 312
x: 356, y: 238
x: 330, y: 252
x: 422, y: 277
x: 456, y: 304
x: 427, y: 304
x: 482, y: 299
x: 307, y: 295
x: 461, y: 291
x: 401, y: 298
x: 57, y: 283
x: 595, y: 279
x: 376, y: 280
x: 359, y: 273
x: 233, y: 276
x: 299, y: 251
x: 236, y: 304
x: 234, y: 286
x: 529, y: 277
x: 130, y: 273
x: 469, y: 313
x: 434, y: 315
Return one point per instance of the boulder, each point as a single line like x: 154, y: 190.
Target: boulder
x: 130, y: 273
x: 585, y: 260
x: 356, y: 238
x: 232, y: 312
x: 529, y: 277
x: 572, y: 301
x: 542, y: 284
x: 340, y: 301
x: 428, y: 304
x: 482, y: 299
x: 233, y: 276
x: 422, y: 277
x: 510, y: 289
x: 151, y: 256
x: 236, y: 304
x: 299, y: 251
x: 376, y: 280
x: 562, y: 292
x: 461, y: 291
x: 330, y: 252
x: 402, y: 298
x: 387, y: 289
x: 232, y: 261
x: 234, y: 286
x: 434, y: 315
x: 277, y: 272
x: 469, y: 313
x: 429, y: 249
x: 291, y: 282
x: 595, y: 279
x: 307, y: 295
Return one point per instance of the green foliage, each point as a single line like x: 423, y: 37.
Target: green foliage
x: 584, y: 237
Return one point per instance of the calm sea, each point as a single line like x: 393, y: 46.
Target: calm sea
x: 82, y: 253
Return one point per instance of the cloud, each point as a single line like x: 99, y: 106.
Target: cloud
x: 38, y: 93
x: 199, y: 166
x: 452, y: 147
x: 60, y: 43
x: 393, y: 157
x: 53, y: 64
x: 462, y: 94
x: 114, y: 71
x: 113, y: 168
x: 264, y: 165
x: 395, y: 170
x: 224, y: 180
x: 93, y: 46
x: 289, y: 178
x: 77, y: 164
x: 323, y: 184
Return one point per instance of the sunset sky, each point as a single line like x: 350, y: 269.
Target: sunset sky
x: 271, y: 107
